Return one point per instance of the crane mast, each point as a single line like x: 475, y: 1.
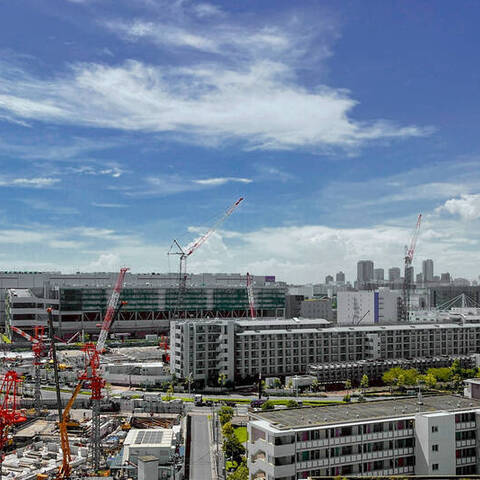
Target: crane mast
x: 92, y: 355
x: 8, y: 410
x: 185, y: 252
x: 38, y: 348
x: 408, y: 274
x: 91, y: 373
x: 251, y: 297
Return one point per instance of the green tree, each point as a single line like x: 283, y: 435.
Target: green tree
x: 390, y: 377
x: 241, y: 473
x: 233, y: 449
x: 430, y: 380
x: 364, y: 382
x: 225, y: 414
x: 169, y: 395
x: 277, y: 383
x: 455, y: 368
x: 291, y: 404
x: 222, y: 379
x: 348, y: 384
x: 189, y: 381
x: 442, y: 374
x: 268, y: 405
x: 227, y: 429
x: 347, y: 398
x: 411, y: 376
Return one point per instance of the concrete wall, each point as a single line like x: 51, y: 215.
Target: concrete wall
x: 427, y: 437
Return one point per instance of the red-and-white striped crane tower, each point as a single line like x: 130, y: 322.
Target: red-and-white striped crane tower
x: 38, y: 348
x: 92, y: 353
x: 185, y: 252
x: 408, y: 273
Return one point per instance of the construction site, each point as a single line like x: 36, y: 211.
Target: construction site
x: 59, y: 417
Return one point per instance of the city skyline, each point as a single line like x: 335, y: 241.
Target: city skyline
x: 128, y: 125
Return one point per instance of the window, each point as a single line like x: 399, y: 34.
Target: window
x: 434, y: 428
x: 435, y: 448
x: 434, y: 466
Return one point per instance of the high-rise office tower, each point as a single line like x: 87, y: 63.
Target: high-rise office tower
x: 365, y: 271
x: 393, y: 274
x: 328, y: 279
x: 340, y: 277
x: 379, y: 274
x: 427, y: 270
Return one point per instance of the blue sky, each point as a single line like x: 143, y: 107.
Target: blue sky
x: 127, y: 124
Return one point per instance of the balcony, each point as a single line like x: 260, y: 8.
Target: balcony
x: 466, y: 443
x: 465, y: 426
x: 466, y: 460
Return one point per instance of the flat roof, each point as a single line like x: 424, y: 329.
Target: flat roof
x: 298, y: 418
x: 283, y: 321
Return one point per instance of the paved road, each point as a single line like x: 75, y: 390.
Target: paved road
x: 200, y: 460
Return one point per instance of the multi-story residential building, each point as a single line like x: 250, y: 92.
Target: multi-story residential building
x: 368, y: 307
x: 80, y: 301
x: 339, y: 372
x: 317, y: 308
x: 430, y: 436
x: 242, y: 349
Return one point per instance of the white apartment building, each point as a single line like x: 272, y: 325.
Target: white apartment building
x: 434, y: 436
x: 368, y: 307
x: 242, y: 349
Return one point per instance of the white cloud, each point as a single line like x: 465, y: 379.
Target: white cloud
x: 109, y: 205
x: 114, y: 172
x: 38, y: 182
x: 206, y: 10
x: 467, y: 206
x: 170, y: 184
x: 222, y: 181
x: 259, y: 104
x: 106, y: 262
x: 243, y: 82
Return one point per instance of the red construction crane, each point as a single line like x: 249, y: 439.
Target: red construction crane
x: 93, y: 352
x: 38, y: 348
x: 8, y: 410
x: 91, y: 374
x: 408, y: 274
x: 185, y: 252
x: 251, y: 296
x: 164, y: 345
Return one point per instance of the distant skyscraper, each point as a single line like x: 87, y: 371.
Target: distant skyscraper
x: 445, y: 278
x: 427, y: 270
x: 379, y: 274
x: 365, y: 271
x: 393, y: 274
x: 328, y: 279
x: 419, y: 278
x: 340, y: 277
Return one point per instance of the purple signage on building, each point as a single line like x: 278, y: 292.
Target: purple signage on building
x: 270, y: 279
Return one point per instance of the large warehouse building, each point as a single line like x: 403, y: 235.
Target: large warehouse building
x: 79, y: 301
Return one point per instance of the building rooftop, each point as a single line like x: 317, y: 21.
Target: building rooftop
x: 283, y: 322
x: 307, y: 417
